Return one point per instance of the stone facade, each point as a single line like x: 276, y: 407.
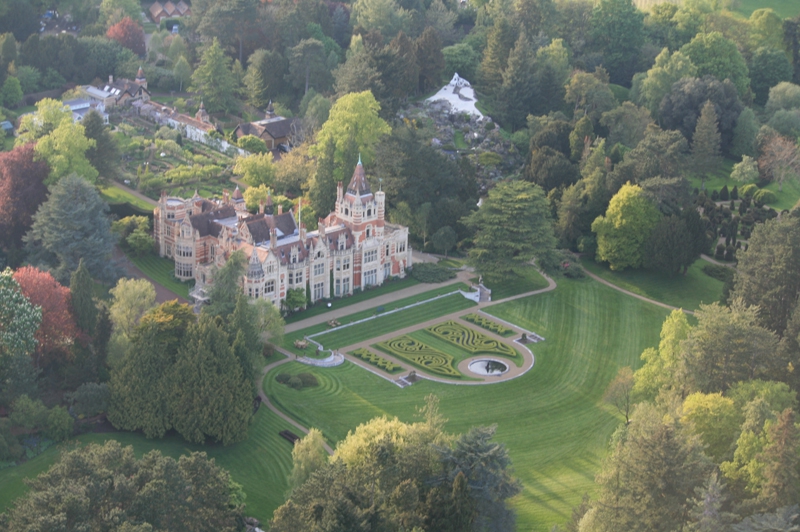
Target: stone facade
x: 353, y: 247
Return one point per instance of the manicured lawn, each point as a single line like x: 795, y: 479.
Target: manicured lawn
x: 321, y: 308
x: 382, y: 325
x: 161, y: 270
x: 721, y: 177
x: 114, y: 194
x: 552, y: 419
x: 679, y: 291
x: 526, y: 280
x: 261, y: 464
x: 451, y: 262
x: 784, y: 8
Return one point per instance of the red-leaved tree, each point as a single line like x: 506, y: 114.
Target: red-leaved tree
x: 22, y: 190
x: 129, y: 34
x: 58, y: 329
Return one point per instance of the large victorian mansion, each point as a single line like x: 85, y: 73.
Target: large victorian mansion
x: 352, y: 248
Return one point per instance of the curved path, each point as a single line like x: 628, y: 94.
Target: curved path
x: 637, y: 296
x: 266, y: 401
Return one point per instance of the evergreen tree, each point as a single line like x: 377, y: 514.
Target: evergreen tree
x: 209, y: 395
x: 513, y: 226
x: 104, y: 155
x: 182, y: 72
x: 215, y: 81
x: 708, y: 514
x: 577, y: 138
x: 307, y: 66
x: 617, y: 29
x: 244, y: 334
x: 706, y: 140
x: 515, y: 97
x: 667, y: 249
x: 83, y: 305
x: 428, y: 52
x: 264, y: 78
x: 499, y: 43
x: 646, y: 480
x: 87, y: 236
x: 781, y: 460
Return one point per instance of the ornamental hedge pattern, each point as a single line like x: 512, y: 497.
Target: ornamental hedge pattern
x: 420, y: 354
x: 488, y: 324
x: 368, y: 356
x: 470, y: 340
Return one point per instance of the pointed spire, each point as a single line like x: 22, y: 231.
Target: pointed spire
x: 359, y: 186
x: 237, y: 194
x: 359, y: 159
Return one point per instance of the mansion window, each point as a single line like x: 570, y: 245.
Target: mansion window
x: 338, y: 285
x: 346, y: 285
x: 183, y: 251
x: 370, y: 256
x: 371, y: 278
x: 213, y: 250
x: 256, y: 292
x: 319, y: 269
x: 401, y: 247
x: 369, y: 212
x: 169, y: 230
x: 270, y: 268
x: 291, y: 278
x: 170, y: 216
x: 186, y: 232
x: 294, y: 255
x: 387, y: 270
x: 319, y: 290
x: 369, y: 232
x: 387, y: 250
x: 269, y: 288
x: 298, y: 278
x: 346, y: 264
x: 342, y: 243
x: 183, y: 270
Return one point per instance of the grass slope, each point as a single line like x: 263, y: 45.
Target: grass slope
x: 114, y: 195
x: 161, y: 271
x: 784, y: 8
x: 552, y: 418
x: 786, y: 199
x: 526, y: 279
x: 679, y: 291
x: 261, y: 464
x: 385, y: 288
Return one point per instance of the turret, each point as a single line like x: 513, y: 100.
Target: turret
x: 140, y: 79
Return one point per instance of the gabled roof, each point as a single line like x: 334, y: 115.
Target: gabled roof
x: 169, y: 7
x: 155, y: 9
x: 204, y: 223
x: 260, y: 225
x: 182, y: 7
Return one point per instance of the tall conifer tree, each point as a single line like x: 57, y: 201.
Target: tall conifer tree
x: 706, y: 141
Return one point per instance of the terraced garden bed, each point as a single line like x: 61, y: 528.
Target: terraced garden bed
x: 371, y: 358
x: 421, y: 355
x: 489, y: 325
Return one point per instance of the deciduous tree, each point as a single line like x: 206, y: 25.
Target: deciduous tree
x: 22, y: 191
x: 256, y: 169
x: 163, y: 494
x: 616, y: 27
x: 744, y: 134
x: 19, y: 321
x: 619, y: 393
x: 129, y: 34
x: 768, y: 67
x: 627, y: 124
x: 658, y: 81
x: 780, y: 159
x: 623, y: 233
x: 715, y: 55
x: 132, y: 299
x: 308, y: 456
x: 48, y: 116
x: 58, y: 329
x: 308, y: 66
x: 264, y: 78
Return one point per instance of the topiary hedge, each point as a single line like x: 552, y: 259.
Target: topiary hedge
x: 428, y: 272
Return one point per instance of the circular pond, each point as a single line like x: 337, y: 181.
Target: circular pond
x: 488, y: 367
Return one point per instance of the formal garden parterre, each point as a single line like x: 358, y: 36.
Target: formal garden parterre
x: 421, y: 355
x: 489, y: 325
x: 371, y: 358
x: 471, y: 340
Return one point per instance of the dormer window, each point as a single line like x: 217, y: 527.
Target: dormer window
x: 369, y: 212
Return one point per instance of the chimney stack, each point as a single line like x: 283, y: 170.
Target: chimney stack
x: 302, y: 233
x: 110, y: 79
x: 321, y: 227
x: 280, y: 209
x: 261, y: 207
x: 273, y: 238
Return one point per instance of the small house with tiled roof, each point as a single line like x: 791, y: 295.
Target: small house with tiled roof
x: 159, y: 11
x: 274, y: 130
x: 353, y: 248
x: 125, y: 91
